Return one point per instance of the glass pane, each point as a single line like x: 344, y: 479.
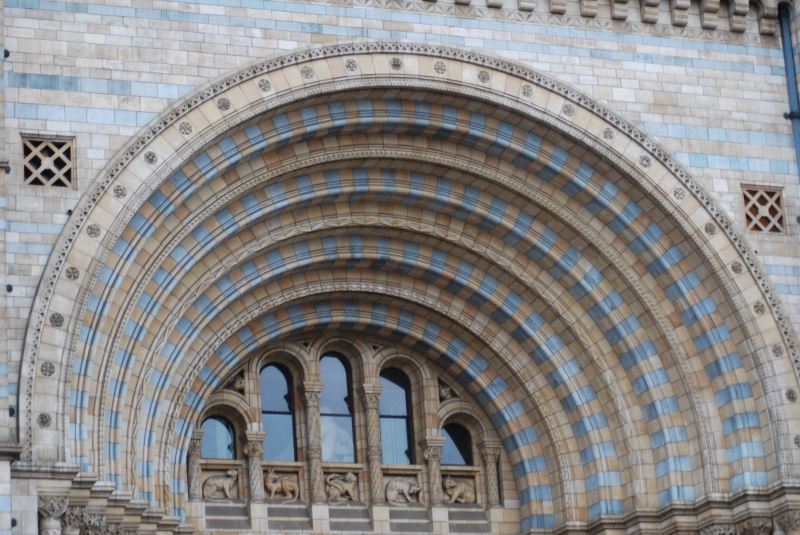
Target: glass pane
x: 279, y: 444
x: 393, y: 397
x: 337, y: 439
x: 394, y: 441
x: 335, y: 391
x: 217, y: 439
x: 274, y: 390
x: 457, y: 447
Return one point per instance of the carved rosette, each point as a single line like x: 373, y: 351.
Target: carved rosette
x: 51, y: 509
x: 432, y: 453
x: 193, y: 468
x: 254, y: 451
x: 371, y: 395
x: 755, y: 526
x: 311, y: 395
x: 491, y: 456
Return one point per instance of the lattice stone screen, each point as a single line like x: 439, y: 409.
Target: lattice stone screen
x: 763, y: 210
x: 48, y: 162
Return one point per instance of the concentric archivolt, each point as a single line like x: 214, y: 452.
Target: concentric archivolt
x: 590, y: 290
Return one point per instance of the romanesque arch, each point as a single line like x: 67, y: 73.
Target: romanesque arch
x: 594, y: 301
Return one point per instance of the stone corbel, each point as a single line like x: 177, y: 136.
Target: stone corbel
x: 589, y: 8
x: 767, y: 19
x: 708, y: 14
x: 738, y: 12
x: 650, y: 11
x: 679, y: 12
x: 497, y: 4
x: 526, y: 5
x: 558, y: 7
x: 619, y: 10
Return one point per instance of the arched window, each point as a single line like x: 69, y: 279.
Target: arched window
x: 397, y: 433
x: 457, y: 447
x: 336, y: 411
x: 218, y: 439
x: 277, y: 414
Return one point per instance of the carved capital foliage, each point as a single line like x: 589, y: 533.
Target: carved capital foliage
x: 253, y: 449
x: 311, y: 398
x: 371, y: 400
x: 789, y: 520
x: 755, y: 526
x: 73, y: 518
x: 432, y: 454
x: 52, y: 507
x: 195, y: 446
x: 490, y: 455
x: 719, y: 529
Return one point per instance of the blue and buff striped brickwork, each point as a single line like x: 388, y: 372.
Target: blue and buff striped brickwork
x: 593, y: 308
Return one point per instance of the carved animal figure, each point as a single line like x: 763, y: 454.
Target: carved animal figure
x: 401, y: 486
x: 458, y: 490
x: 286, y: 485
x: 341, y: 488
x: 221, y: 486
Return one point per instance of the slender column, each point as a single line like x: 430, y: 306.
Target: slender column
x: 432, y: 453
x: 491, y: 455
x: 311, y: 394
x: 51, y: 509
x: 193, y: 462
x: 254, y: 451
x: 371, y: 394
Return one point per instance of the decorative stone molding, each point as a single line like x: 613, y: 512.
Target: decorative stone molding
x: 46, y: 289
x: 432, y: 453
x: 193, y: 455
x: 51, y: 509
x: 254, y: 452
x: 789, y: 521
x: 755, y: 526
x: 490, y: 454
x: 719, y: 529
x: 371, y: 395
x: 312, y: 391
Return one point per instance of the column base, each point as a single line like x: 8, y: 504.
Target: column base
x: 440, y: 517
x: 379, y: 512
x: 320, y: 518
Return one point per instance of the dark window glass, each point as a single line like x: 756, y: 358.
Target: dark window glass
x: 218, y: 441
x: 395, y: 412
x: 457, y: 447
x: 336, y: 413
x: 277, y: 414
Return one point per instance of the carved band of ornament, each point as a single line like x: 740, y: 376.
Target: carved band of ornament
x: 294, y: 58
x: 52, y: 507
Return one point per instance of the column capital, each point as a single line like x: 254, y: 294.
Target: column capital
x: 52, y: 507
x: 490, y: 451
x: 312, y: 390
x: 371, y: 394
x: 253, y: 448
